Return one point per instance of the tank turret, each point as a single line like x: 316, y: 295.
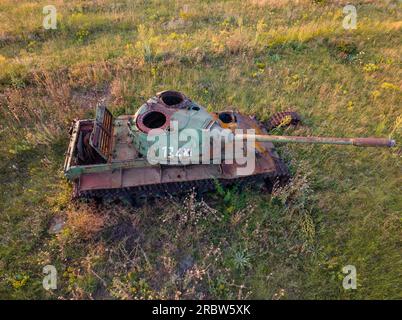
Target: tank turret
x: 171, y: 115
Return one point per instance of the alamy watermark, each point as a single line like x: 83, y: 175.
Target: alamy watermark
x: 192, y: 146
x: 350, y: 20
x: 50, y: 19
x: 50, y: 279
x: 350, y: 281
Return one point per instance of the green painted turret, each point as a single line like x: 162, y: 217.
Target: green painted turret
x: 168, y: 112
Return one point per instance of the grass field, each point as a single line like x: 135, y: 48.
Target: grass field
x: 343, y: 206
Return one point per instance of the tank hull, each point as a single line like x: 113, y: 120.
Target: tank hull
x: 126, y: 172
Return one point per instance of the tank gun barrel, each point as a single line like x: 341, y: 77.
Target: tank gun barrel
x: 360, y: 142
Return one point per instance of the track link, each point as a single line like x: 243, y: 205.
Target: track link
x: 280, y: 119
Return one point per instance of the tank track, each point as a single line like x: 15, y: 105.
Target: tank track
x: 199, y: 186
x: 278, y: 119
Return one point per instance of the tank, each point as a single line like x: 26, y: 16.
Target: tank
x: 173, y: 145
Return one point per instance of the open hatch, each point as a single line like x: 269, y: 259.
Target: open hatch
x: 101, y: 136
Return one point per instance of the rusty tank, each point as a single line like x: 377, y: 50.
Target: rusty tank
x: 172, y: 145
